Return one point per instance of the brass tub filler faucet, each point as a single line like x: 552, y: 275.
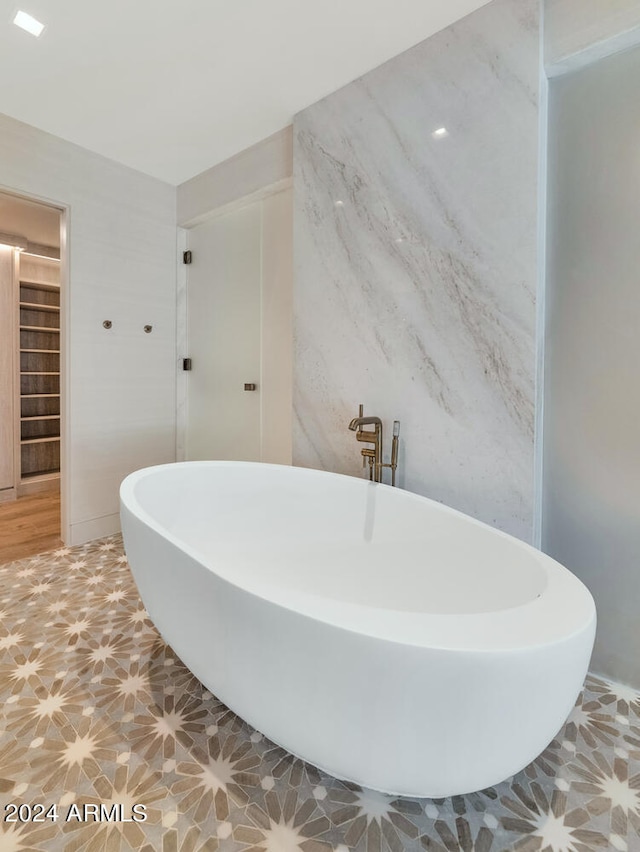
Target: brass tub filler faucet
x: 373, y: 455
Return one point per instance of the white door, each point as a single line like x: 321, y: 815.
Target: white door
x: 223, y: 317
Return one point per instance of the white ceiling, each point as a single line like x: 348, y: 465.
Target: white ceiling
x: 172, y: 87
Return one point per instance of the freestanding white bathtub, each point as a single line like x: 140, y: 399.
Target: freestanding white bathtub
x: 379, y: 635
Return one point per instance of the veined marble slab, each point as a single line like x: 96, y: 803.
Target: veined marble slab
x: 415, y: 265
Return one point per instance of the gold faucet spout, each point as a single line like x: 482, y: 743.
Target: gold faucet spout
x: 358, y: 422
x: 374, y: 455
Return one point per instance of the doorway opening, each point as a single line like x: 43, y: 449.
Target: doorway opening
x: 31, y: 348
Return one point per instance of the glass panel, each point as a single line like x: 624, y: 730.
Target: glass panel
x: 591, y: 518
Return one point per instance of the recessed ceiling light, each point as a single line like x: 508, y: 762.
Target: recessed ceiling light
x: 28, y: 23
x: 339, y: 203
x: 440, y: 133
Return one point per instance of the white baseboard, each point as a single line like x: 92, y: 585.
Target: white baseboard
x: 85, y: 531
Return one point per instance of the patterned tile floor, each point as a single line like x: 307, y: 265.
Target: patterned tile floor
x: 97, y: 711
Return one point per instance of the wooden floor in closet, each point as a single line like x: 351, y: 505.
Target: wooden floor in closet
x: 29, y: 525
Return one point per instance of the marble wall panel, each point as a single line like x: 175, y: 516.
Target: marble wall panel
x: 415, y: 265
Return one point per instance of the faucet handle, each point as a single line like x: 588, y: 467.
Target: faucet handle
x: 361, y: 414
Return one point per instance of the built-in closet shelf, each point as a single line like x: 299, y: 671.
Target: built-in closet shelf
x: 38, y: 438
x: 41, y: 477
x: 39, y: 457
x: 43, y: 285
x: 40, y: 306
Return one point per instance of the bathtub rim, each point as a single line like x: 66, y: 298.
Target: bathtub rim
x: 535, y: 624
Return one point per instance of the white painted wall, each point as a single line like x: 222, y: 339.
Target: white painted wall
x: 277, y: 327
x: 248, y: 175
x: 591, y: 513
x: 572, y: 26
x: 119, y: 410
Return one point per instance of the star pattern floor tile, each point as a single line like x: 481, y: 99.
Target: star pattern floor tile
x: 101, y: 720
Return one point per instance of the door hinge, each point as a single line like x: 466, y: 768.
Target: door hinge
x: 186, y: 256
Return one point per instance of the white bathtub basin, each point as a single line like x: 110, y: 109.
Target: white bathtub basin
x: 379, y: 635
